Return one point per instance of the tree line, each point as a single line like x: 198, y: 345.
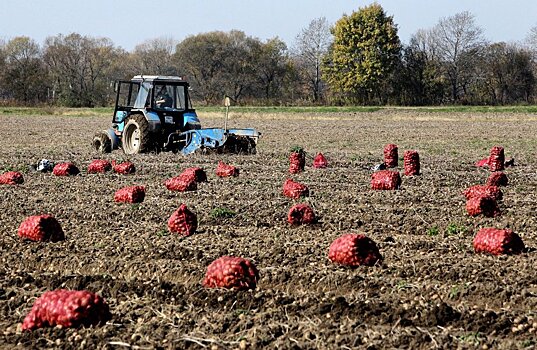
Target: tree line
x: 358, y: 60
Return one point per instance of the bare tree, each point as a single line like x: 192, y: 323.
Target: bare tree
x: 531, y: 39
x: 219, y: 64
x: 311, y: 45
x: 24, y: 74
x: 508, y: 74
x: 458, y: 43
x: 272, y: 65
x: 81, y: 68
x: 154, y: 56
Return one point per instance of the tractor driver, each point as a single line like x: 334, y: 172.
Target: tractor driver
x: 164, y: 99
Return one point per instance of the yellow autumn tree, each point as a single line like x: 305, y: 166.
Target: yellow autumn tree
x: 365, y: 52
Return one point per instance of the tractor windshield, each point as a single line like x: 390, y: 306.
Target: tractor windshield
x: 141, y: 99
x: 169, y: 97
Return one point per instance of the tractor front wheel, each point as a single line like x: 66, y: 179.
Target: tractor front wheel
x: 102, y: 143
x: 136, y: 136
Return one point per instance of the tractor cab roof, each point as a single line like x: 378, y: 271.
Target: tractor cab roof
x: 158, y: 78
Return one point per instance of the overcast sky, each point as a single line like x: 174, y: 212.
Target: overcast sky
x: 130, y: 22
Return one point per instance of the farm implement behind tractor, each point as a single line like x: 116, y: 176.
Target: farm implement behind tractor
x: 155, y: 113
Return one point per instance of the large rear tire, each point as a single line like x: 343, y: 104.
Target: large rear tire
x: 102, y: 143
x: 136, y: 135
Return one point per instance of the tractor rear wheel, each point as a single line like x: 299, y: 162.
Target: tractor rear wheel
x: 102, y: 143
x: 136, y: 135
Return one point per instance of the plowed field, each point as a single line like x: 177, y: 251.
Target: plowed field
x: 431, y: 291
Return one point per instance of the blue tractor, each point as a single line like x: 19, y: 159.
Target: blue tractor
x: 155, y: 113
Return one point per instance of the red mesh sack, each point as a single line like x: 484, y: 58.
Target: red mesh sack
x: 482, y: 205
x: 183, y: 221
x: 482, y: 163
x: 354, y: 250
x: 411, y: 163
x: 224, y: 170
x: 194, y: 173
x: 320, y: 161
x: 297, y: 161
x: 497, y: 179
x: 385, y: 180
x: 65, y: 169
x: 494, y: 241
x: 124, y: 168
x: 483, y: 190
x: 181, y: 183
x: 67, y: 308
x: 496, y: 159
x: 231, y: 272
x: 99, y: 166
x: 301, y: 214
x: 130, y: 194
x: 11, y: 178
x: 391, y: 155
x: 294, y: 189
x: 41, y: 228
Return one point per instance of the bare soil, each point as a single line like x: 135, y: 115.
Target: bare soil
x: 431, y: 291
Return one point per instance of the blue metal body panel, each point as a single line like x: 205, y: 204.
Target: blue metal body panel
x: 191, y: 117
x: 212, y: 138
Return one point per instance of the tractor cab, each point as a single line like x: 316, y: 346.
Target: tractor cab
x: 155, y: 113
x: 163, y: 100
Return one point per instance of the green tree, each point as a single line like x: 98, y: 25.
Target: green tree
x: 365, y: 51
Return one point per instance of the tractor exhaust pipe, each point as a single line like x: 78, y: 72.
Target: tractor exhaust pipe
x: 227, y: 103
